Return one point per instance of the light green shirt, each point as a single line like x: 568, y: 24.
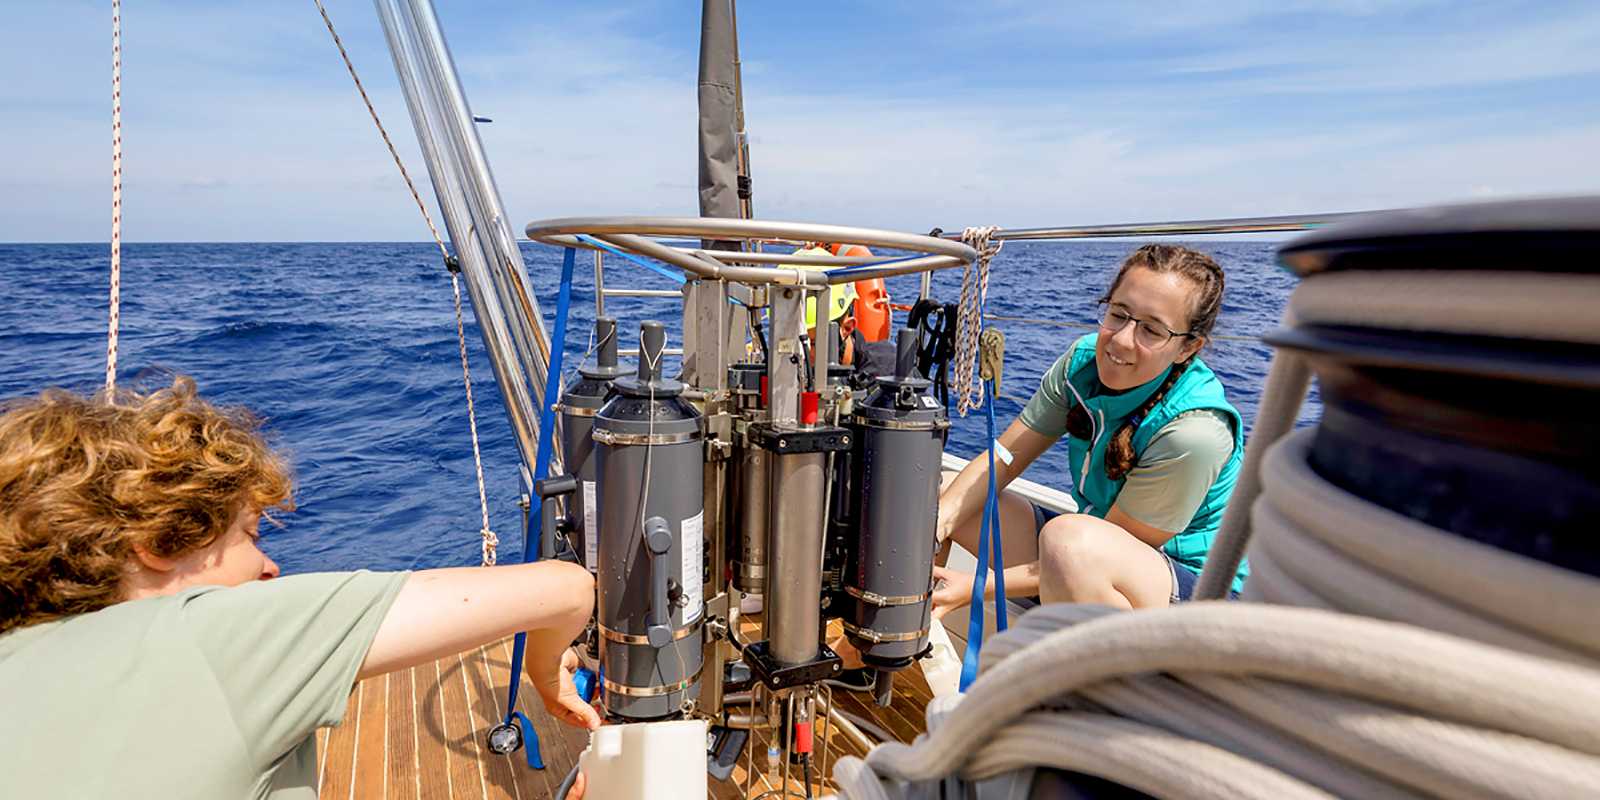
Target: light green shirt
x: 1170, y: 480
x: 209, y: 693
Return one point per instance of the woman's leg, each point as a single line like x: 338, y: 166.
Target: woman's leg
x: 1084, y: 559
x: 1019, y: 537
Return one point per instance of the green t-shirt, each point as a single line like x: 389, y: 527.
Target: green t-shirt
x: 1172, y: 476
x: 210, y: 693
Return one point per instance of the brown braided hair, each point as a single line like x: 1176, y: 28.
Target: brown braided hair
x: 1206, y: 275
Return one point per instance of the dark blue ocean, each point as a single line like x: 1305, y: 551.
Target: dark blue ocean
x: 349, y: 352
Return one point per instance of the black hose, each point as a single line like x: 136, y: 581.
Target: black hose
x: 566, y: 783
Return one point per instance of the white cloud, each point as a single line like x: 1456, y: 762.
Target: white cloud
x: 244, y: 126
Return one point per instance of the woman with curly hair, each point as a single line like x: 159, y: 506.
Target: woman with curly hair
x: 148, y: 648
x: 1153, y: 444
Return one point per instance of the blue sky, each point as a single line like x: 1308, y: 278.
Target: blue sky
x: 241, y: 124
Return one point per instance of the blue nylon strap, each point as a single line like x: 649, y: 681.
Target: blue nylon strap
x: 673, y: 275
x: 541, y: 468
x: 994, y: 518
x: 988, y: 530
x: 530, y: 741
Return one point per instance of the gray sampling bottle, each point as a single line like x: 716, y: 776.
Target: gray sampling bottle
x: 649, y: 465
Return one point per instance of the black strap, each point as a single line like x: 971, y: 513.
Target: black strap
x: 935, y: 324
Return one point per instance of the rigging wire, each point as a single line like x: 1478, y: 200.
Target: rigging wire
x: 490, y: 540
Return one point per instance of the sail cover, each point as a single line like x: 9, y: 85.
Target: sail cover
x: 719, y: 112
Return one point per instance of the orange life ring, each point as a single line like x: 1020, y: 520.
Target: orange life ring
x: 873, y: 314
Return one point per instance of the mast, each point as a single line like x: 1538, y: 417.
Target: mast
x: 502, y: 297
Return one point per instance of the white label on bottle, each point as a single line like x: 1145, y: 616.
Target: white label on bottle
x: 591, y: 529
x: 693, y: 548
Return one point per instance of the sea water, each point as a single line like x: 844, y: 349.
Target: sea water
x: 348, y: 351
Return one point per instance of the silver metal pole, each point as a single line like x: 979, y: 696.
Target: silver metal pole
x: 497, y: 282
x: 1292, y: 222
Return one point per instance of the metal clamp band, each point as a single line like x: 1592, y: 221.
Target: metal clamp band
x: 885, y: 601
x: 897, y: 425
x: 609, y: 438
x: 628, y: 638
x: 576, y: 411
x: 653, y: 691
x: 878, y: 637
x: 753, y: 571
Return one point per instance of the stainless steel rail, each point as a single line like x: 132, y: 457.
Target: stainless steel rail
x: 639, y: 234
x: 1290, y: 222
x: 503, y: 300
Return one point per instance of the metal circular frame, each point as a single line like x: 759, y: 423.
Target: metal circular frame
x: 638, y: 235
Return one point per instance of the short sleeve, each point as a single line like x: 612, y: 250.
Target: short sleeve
x: 1176, y: 470
x: 1046, y: 411
x: 285, y: 652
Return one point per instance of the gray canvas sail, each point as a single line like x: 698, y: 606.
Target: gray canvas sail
x: 721, y: 115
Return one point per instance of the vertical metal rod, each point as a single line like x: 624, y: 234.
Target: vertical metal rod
x: 823, y: 347
x: 497, y: 281
x: 787, y: 732
x: 822, y: 771
x: 599, y: 283
x: 927, y: 286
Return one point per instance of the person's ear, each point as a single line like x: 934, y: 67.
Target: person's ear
x: 153, y: 562
x: 847, y: 326
x: 1191, y: 348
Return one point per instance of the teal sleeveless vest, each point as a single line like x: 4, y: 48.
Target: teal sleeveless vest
x: 1198, y: 388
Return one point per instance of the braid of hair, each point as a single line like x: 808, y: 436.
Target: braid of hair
x: 1078, y: 422
x: 1119, y: 451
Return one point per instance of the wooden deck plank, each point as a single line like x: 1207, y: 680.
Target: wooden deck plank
x: 338, y: 769
x: 433, y: 757
x: 370, y: 761
x: 418, y: 735
x: 488, y: 704
x: 404, y: 780
x: 458, y: 739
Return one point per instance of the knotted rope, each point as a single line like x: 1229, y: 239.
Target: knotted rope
x: 969, y: 317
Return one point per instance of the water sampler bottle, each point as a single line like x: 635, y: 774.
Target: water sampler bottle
x: 648, y: 466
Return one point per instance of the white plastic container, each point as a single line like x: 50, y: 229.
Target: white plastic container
x: 942, y: 666
x: 658, y: 760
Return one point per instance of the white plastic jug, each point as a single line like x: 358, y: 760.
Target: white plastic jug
x: 942, y: 666
x: 658, y: 760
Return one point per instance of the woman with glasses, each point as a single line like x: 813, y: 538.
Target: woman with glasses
x: 1153, y: 443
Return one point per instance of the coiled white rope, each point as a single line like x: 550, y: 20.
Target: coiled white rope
x: 1423, y: 663
x: 116, y: 200
x: 489, y: 541
x: 969, y: 316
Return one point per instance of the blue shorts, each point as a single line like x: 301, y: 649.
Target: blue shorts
x: 1183, y: 577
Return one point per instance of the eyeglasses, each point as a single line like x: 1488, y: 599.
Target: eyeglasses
x: 1149, y: 334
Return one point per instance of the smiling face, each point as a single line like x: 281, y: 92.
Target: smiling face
x: 1162, y: 299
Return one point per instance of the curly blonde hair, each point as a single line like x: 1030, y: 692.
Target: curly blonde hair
x: 85, y: 480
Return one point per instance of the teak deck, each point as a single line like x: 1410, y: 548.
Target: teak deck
x: 419, y: 734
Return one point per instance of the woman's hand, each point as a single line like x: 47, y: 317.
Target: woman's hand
x: 952, y: 589
x: 561, y: 696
